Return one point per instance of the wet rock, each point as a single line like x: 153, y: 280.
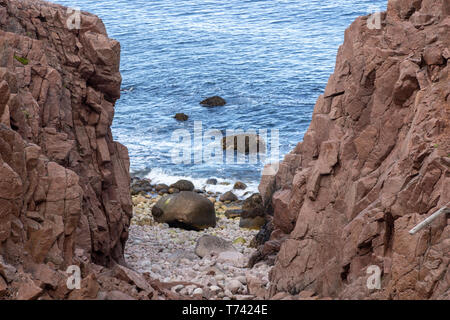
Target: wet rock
x: 173, y: 190
x: 181, y: 117
x: 211, y: 181
x: 228, y: 196
x: 186, y: 210
x: 183, y: 185
x: 212, y: 245
x: 240, y: 186
x: 140, y: 185
x: 214, y: 101
x: 161, y: 186
x: 244, y: 143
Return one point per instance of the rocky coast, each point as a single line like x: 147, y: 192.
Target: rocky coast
x: 373, y: 164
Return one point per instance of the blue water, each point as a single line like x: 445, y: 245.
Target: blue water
x: 269, y: 59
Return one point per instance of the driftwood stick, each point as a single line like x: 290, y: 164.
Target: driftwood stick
x: 430, y: 219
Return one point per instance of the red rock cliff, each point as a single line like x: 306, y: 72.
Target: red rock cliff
x: 374, y: 162
x: 64, y: 182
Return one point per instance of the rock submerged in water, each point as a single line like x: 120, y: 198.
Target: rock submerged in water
x: 244, y: 143
x: 187, y: 210
x: 240, y: 186
x: 211, y: 181
x: 212, y: 245
x: 181, y: 117
x: 215, y: 101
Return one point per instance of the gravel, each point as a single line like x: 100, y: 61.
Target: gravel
x: 168, y: 254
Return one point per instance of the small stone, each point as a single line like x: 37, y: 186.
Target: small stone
x: 214, y: 289
x: 198, y: 291
x: 181, y: 117
x: 234, y: 285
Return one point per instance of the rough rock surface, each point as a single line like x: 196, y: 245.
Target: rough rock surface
x: 373, y: 164
x: 64, y: 183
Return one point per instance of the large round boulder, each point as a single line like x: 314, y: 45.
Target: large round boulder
x: 187, y: 210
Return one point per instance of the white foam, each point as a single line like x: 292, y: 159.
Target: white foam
x: 159, y: 175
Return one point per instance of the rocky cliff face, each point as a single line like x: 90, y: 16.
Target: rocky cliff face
x: 374, y: 162
x: 64, y: 182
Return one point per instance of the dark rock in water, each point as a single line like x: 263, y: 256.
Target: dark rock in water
x: 140, y: 186
x: 161, y: 186
x: 215, y: 101
x: 240, y: 186
x: 228, y: 196
x: 211, y: 181
x: 187, y: 210
x: 183, y: 185
x: 233, y: 213
x: 181, y: 117
x: 199, y: 190
x: 208, y: 245
x: 244, y: 143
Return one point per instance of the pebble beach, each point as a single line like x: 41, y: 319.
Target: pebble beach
x: 168, y: 255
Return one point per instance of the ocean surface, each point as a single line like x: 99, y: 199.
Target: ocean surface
x: 269, y: 59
